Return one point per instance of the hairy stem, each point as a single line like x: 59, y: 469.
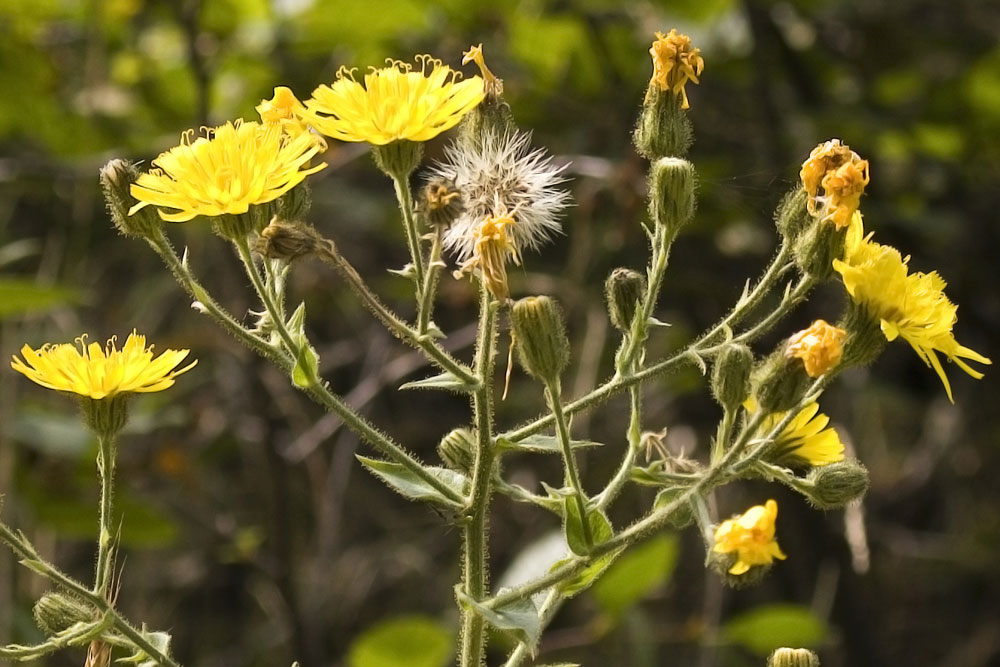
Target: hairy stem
x: 554, y: 389
x: 410, y: 225
x: 105, y: 543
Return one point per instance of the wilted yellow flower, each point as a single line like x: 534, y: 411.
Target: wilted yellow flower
x: 908, y: 305
x: 751, y: 537
x: 841, y: 174
x: 101, y: 372
x: 492, y: 248
x: 234, y: 167
x: 820, y: 347
x: 491, y: 83
x: 394, y: 103
x: 675, y: 63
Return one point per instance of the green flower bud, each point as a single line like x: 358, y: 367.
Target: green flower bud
x: 671, y: 193
x: 731, y: 376
x: 837, y: 484
x: 793, y: 657
x: 792, y: 216
x: 540, y: 337
x: 399, y: 158
x: 780, y: 381
x: 664, y: 129
x: 817, y: 247
x: 865, y: 340
x: 624, y: 290
x: 287, y: 240
x: 117, y: 177
x: 55, y: 612
x: 457, y: 449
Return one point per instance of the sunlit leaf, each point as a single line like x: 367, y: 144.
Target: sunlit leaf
x: 404, y: 641
x: 769, y: 627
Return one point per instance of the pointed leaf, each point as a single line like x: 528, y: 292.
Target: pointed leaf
x: 597, y: 522
x: 520, y: 618
x: 407, y: 483
x: 407, y: 271
x: 653, y: 322
x: 587, y: 576
x: 542, y: 444
x: 769, y: 627
x: 306, y: 366
x: 446, y: 380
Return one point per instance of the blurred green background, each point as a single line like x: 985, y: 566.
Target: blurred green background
x: 249, y: 530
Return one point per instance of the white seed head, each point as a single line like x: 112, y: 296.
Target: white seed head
x: 498, y: 173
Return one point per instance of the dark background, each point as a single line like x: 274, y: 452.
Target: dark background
x: 252, y: 534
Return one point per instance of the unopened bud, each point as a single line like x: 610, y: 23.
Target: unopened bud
x: 671, y: 193
x: 540, y: 337
x: 779, y: 382
x: 624, y: 290
x: 399, y: 158
x: 457, y: 450
x: 817, y: 247
x: 792, y: 216
x: 56, y: 612
x: 287, y: 240
x: 440, y: 202
x: 117, y: 177
x: 837, y: 484
x: 731, y: 375
x: 664, y: 129
x: 793, y: 657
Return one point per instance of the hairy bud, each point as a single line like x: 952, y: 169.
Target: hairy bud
x: 457, y: 449
x: 671, y: 200
x: 779, y: 381
x: 287, y: 240
x: 540, y: 337
x: 624, y: 290
x: 793, y: 657
x: 792, y: 216
x: 399, y: 158
x: 837, y: 484
x: 117, y: 177
x: 731, y: 376
x: 817, y: 247
x: 55, y: 612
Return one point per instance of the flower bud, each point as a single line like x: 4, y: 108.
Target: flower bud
x: 779, y: 382
x: 793, y: 657
x: 731, y: 375
x: 820, y: 347
x: 671, y: 197
x: 399, y: 158
x: 457, y: 449
x: 540, y: 337
x: 792, y: 216
x: 56, y: 612
x: 287, y: 240
x: 837, y: 484
x: 865, y: 340
x: 624, y: 290
x: 817, y: 247
x: 117, y: 177
x: 664, y: 129
x: 440, y: 202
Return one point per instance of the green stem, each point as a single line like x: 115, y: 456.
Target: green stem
x: 723, y: 435
x: 105, y: 545
x: 553, y: 601
x: 475, y: 570
x: 277, y: 320
x: 788, y: 302
x: 410, y: 225
x: 640, y: 326
x: 617, y: 483
x: 425, y: 306
x: 554, y: 389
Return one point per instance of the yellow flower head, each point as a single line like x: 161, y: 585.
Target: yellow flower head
x: 101, y: 372
x: 841, y: 174
x: 492, y: 247
x: 675, y: 63
x: 394, y: 103
x: 286, y: 110
x: 806, y: 438
x: 233, y: 167
x: 820, y: 347
x: 751, y: 537
x: 911, y: 306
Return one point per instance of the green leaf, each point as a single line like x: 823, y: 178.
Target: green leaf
x: 406, y: 482
x: 587, y: 576
x: 306, y: 366
x: 638, y: 572
x: 159, y: 640
x: 24, y: 296
x: 600, y: 527
x: 445, y: 380
x: 769, y: 627
x: 542, y: 444
x: 404, y: 641
x: 520, y: 618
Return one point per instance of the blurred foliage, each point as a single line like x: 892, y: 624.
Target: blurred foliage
x: 251, y: 530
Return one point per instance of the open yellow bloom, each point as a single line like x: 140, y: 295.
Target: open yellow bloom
x: 751, y: 537
x: 394, y: 103
x: 820, y: 347
x: 675, y: 63
x: 912, y: 306
x: 101, y: 372
x: 234, y: 167
x: 841, y: 174
x: 806, y: 438
x: 285, y: 110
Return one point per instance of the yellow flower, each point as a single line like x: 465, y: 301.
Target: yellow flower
x: 911, y: 306
x: 820, y: 347
x: 675, y: 63
x: 751, y: 537
x: 394, y: 103
x: 101, y: 372
x: 492, y: 247
x: 286, y: 110
x: 492, y: 85
x: 234, y: 167
x: 841, y: 174
x: 806, y: 438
